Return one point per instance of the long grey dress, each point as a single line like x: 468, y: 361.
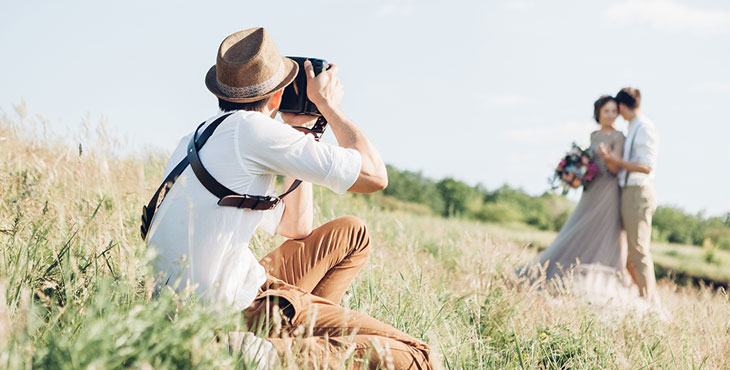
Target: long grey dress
x: 590, y: 236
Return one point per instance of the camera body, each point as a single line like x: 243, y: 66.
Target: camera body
x: 294, y: 98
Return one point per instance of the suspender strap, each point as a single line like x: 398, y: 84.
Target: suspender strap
x: 209, y: 130
x: 148, y: 211
x: 201, y: 173
x: 631, y: 151
x: 227, y: 197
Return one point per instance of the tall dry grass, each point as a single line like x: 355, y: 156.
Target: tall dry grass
x: 75, y: 286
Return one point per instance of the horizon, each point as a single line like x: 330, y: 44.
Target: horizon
x: 487, y: 94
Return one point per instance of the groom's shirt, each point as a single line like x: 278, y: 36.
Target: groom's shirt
x: 641, y: 146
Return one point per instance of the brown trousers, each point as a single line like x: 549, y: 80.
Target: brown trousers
x: 638, y: 204
x: 307, y: 278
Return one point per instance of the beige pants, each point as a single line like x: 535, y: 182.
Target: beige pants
x: 638, y: 204
x: 308, y: 277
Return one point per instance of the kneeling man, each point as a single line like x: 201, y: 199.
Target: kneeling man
x: 205, y: 245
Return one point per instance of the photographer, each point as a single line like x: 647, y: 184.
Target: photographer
x: 307, y: 275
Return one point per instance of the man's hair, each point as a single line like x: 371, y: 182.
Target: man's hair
x: 629, y: 97
x: 258, y: 105
x: 603, y: 100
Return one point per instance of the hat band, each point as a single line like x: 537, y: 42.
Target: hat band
x: 252, y: 90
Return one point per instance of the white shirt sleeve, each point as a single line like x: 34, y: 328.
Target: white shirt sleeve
x: 273, y: 147
x: 645, y: 146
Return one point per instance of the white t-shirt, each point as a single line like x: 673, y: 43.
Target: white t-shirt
x: 642, y: 134
x: 206, y: 245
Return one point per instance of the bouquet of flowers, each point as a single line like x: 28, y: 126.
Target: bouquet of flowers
x: 575, y: 169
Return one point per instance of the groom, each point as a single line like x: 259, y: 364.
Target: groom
x: 636, y: 178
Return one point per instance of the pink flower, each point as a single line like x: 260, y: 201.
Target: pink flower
x: 591, y: 172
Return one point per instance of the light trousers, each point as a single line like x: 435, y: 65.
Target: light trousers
x: 638, y: 204
x: 308, y: 278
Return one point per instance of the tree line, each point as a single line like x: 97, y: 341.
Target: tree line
x: 449, y: 197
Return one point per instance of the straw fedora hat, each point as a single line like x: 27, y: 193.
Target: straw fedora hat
x: 249, y: 68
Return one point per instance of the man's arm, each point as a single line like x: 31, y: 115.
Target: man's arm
x: 645, y: 151
x: 326, y: 92
x: 296, y: 221
x: 612, y: 167
x: 613, y: 161
x: 629, y: 166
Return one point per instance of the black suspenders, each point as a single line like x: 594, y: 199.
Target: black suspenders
x: 226, y: 196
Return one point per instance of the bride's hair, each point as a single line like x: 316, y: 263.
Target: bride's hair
x: 599, y: 104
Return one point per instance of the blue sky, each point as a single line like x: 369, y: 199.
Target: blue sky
x: 488, y: 92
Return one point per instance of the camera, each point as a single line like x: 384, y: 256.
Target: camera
x: 294, y: 99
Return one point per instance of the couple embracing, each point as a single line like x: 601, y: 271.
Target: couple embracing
x: 621, y: 197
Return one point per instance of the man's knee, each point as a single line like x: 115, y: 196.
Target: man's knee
x: 639, y: 258
x: 388, y: 353
x: 350, y: 222
x: 410, y: 358
x: 356, y: 229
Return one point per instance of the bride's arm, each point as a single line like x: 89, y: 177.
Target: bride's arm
x: 618, y: 145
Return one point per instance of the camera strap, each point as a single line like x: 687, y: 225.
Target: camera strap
x: 226, y: 196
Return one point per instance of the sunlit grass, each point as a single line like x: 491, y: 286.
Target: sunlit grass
x: 75, y: 289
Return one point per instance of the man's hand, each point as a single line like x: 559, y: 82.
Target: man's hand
x: 607, y: 155
x: 613, y: 162
x: 326, y: 92
x: 293, y: 119
x: 325, y: 89
x: 610, y: 158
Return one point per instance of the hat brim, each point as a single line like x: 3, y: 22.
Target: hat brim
x: 291, y: 69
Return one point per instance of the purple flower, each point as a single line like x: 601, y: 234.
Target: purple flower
x: 591, y: 172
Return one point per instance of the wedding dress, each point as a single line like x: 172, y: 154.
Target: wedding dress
x: 590, y: 236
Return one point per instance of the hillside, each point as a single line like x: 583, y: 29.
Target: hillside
x: 75, y: 289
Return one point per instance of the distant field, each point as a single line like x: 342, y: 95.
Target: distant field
x: 688, y: 264
x: 76, y: 292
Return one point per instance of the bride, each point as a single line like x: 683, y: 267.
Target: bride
x: 588, y: 242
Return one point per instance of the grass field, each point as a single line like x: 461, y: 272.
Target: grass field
x: 683, y: 263
x: 75, y: 288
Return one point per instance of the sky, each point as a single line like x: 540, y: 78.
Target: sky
x: 487, y: 92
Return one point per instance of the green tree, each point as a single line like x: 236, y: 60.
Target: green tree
x: 673, y: 225
x: 413, y: 187
x: 456, y: 195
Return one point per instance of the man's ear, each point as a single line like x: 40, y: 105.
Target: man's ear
x: 275, y: 101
